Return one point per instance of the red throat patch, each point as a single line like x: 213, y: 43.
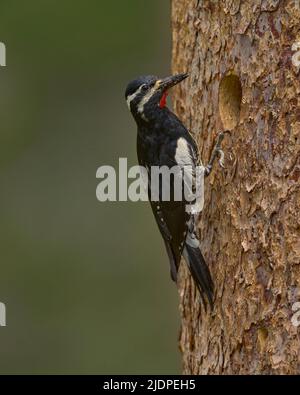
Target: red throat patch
x: 163, y: 100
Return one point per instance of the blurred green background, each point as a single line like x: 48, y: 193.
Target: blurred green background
x: 86, y: 284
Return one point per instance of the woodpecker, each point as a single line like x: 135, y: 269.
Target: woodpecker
x: 163, y: 140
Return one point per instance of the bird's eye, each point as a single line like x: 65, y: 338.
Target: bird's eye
x: 145, y: 87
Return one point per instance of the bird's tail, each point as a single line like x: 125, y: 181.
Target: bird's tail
x: 200, y: 273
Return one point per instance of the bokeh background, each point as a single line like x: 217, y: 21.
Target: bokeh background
x: 86, y: 284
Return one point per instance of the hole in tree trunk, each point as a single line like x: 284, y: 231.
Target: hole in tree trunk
x: 230, y: 97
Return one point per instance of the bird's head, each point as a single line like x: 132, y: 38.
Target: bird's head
x: 146, y: 95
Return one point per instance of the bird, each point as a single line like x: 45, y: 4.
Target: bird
x: 164, y: 141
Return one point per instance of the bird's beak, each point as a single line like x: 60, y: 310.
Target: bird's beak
x: 171, y: 81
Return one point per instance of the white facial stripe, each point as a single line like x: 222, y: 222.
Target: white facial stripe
x: 143, y: 102
x: 130, y: 98
x: 146, y: 98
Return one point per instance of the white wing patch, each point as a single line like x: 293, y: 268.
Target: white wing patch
x: 193, y: 177
x: 183, y: 154
x: 184, y: 159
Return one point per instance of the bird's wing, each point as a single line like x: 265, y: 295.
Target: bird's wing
x: 172, y: 216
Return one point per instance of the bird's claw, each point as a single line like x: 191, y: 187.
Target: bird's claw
x: 221, y: 160
x: 218, y: 148
x: 207, y: 170
x: 217, y: 151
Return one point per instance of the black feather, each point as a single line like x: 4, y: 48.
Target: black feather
x: 200, y: 273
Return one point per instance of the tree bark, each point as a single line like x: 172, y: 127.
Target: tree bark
x: 244, y: 60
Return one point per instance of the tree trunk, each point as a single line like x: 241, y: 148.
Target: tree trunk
x: 244, y: 60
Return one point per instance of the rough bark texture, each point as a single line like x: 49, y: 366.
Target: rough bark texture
x: 249, y: 228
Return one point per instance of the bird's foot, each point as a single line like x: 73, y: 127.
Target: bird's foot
x: 221, y: 160
x: 208, y: 169
x: 217, y: 151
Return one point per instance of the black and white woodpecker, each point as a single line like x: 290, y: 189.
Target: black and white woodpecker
x: 162, y: 140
